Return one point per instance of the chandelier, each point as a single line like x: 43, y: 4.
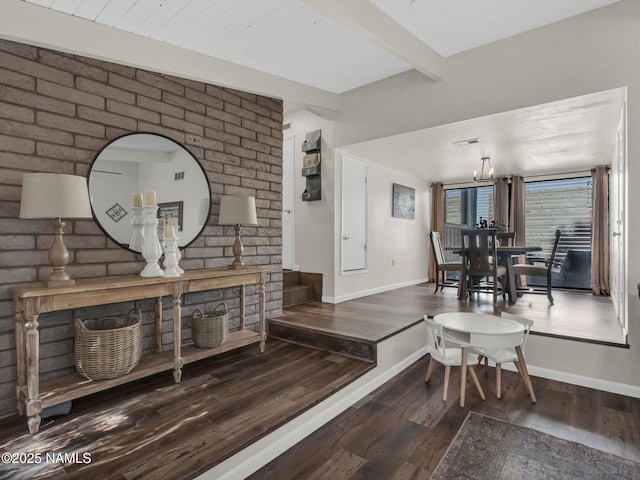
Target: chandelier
x: 489, y: 178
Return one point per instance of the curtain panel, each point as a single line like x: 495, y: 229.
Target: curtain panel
x: 600, y: 231
x: 518, y: 208
x: 437, y: 223
x: 501, y: 201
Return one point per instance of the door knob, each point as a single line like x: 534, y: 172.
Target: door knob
x: 616, y: 234
x: 287, y: 211
x: 346, y: 238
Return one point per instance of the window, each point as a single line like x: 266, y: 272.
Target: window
x: 464, y: 208
x: 565, y: 205
x: 467, y: 206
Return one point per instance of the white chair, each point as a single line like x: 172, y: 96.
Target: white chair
x: 447, y: 356
x: 505, y: 355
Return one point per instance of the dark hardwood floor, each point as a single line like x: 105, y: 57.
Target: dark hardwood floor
x: 576, y: 315
x: 157, y: 429
x: 154, y: 428
x: 402, y: 430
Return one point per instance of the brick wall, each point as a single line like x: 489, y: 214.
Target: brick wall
x: 56, y: 112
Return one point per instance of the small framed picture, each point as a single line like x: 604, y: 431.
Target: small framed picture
x: 171, y: 210
x: 404, y: 201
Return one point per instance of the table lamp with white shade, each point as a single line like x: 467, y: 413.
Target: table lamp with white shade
x: 56, y: 196
x: 237, y: 210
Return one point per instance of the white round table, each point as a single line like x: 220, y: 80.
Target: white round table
x: 481, y: 330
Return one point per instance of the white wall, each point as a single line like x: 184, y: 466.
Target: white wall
x: 593, y: 52
x: 396, y: 248
x: 315, y: 234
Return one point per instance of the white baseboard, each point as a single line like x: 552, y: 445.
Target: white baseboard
x: 373, y: 291
x: 580, y: 380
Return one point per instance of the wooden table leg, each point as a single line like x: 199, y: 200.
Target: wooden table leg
x: 243, y: 314
x: 525, y: 374
x: 177, y: 338
x: 262, y: 311
x: 33, y: 405
x: 463, y: 375
x: 511, y: 281
x: 158, y: 315
x: 21, y: 361
x: 476, y: 382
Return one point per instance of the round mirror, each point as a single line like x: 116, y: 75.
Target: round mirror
x: 144, y: 162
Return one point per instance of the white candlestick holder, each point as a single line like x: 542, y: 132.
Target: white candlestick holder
x: 178, y: 256
x: 171, y: 268
x: 137, y: 222
x: 152, y: 249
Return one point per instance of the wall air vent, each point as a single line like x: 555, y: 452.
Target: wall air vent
x: 469, y: 141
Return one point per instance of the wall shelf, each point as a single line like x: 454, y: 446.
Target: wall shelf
x: 311, y: 166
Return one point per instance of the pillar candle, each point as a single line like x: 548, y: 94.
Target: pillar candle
x: 151, y: 197
x: 169, y: 232
x: 173, y: 221
x: 137, y: 199
x: 161, y: 221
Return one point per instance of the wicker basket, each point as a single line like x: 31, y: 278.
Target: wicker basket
x: 108, y: 347
x: 210, y: 329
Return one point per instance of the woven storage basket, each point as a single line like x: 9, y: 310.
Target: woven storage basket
x: 210, y: 329
x: 108, y: 347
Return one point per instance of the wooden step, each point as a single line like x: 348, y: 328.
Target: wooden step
x: 295, y: 294
x: 342, y: 345
x: 290, y: 278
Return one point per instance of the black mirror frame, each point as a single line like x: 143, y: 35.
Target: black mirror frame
x: 204, y: 172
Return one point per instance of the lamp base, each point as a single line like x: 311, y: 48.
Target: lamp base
x: 59, y: 283
x: 58, y: 258
x: 238, y: 267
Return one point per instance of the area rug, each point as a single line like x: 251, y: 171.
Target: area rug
x: 486, y: 448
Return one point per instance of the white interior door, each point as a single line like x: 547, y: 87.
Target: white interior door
x: 354, y: 215
x: 288, y: 199
x: 617, y: 204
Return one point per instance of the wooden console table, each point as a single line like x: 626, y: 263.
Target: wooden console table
x: 30, y: 300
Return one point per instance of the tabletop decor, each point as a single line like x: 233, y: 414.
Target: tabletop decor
x: 237, y: 210
x: 173, y: 221
x: 151, y: 249
x: 55, y: 196
x: 137, y: 223
x: 170, y: 256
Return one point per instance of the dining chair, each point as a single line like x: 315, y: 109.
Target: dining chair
x: 506, y: 239
x: 479, y: 249
x: 450, y: 356
x: 442, y: 265
x: 539, y: 270
x: 506, y: 355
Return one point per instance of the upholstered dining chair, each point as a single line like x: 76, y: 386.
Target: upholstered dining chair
x: 447, y: 356
x: 479, y: 248
x: 539, y: 270
x: 442, y: 265
x: 506, y: 355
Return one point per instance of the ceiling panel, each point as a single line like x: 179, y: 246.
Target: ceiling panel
x: 292, y: 40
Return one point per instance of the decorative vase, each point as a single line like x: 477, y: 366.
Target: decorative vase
x: 137, y: 222
x: 152, y: 249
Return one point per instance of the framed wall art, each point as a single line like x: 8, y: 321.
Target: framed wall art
x: 404, y: 202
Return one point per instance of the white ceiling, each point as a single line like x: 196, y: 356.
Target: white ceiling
x: 334, y: 45
x: 567, y: 136
x: 338, y: 45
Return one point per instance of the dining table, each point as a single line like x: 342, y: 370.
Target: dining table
x: 505, y: 258
x: 481, y: 330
